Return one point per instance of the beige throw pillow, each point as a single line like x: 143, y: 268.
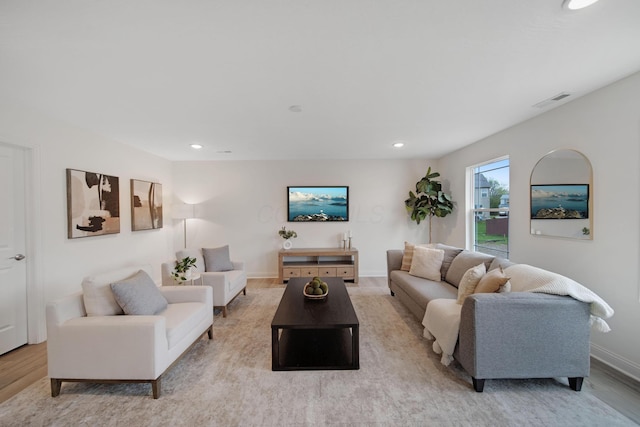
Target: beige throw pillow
x: 407, y: 257
x: 426, y: 263
x: 491, y: 282
x: 469, y: 281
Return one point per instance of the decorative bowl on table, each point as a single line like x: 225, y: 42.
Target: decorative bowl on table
x: 316, y: 289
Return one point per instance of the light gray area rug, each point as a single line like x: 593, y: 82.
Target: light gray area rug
x: 228, y: 382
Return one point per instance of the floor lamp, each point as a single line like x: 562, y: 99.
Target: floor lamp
x: 184, y: 212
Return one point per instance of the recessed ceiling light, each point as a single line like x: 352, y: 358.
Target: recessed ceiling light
x: 577, y: 4
x: 295, y: 108
x: 196, y: 146
x: 398, y: 144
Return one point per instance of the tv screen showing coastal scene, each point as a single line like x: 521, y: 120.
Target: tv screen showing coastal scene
x: 568, y: 201
x: 309, y: 204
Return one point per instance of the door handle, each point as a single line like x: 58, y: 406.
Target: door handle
x: 18, y: 257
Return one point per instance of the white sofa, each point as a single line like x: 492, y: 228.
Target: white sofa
x: 123, y: 348
x: 226, y: 285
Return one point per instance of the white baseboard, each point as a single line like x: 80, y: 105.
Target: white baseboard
x: 619, y: 363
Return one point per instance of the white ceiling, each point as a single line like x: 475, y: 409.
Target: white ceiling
x: 161, y: 74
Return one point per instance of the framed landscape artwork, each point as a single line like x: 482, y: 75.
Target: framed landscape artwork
x: 146, y: 205
x: 93, y: 204
x: 318, y: 203
x: 560, y: 201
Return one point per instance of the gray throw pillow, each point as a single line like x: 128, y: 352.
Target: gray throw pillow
x: 139, y: 295
x: 217, y: 259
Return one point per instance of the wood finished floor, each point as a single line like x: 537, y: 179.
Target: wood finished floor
x: 27, y: 364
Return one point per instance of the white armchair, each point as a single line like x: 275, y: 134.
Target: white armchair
x: 226, y: 284
x: 123, y: 348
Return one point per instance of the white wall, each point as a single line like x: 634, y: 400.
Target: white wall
x: 64, y: 262
x: 243, y: 204
x: 605, y: 127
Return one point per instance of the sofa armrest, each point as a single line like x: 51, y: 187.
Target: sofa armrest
x: 107, y: 347
x: 238, y: 265
x: 524, y: 335
x: 394, y: 262
x: 176, y: 294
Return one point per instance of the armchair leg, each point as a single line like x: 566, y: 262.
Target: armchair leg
x: 244, y: 291
x: 392, y: 294
x: 155, y: 387
x: 576, y: 383
x: 210, y: 332
x: 478, y: 385
x: 55, y: 387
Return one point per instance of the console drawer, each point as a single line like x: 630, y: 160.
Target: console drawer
x: 288, y: 273
x: 345, y: 272
x: 308, y: 271
x: 327, y: 272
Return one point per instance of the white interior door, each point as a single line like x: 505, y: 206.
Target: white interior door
x: 13, y: 271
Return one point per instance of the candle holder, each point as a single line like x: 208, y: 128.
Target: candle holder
x: 344, y: 244
x: 349, y: 242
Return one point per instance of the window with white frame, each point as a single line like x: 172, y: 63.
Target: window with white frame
x: 488, y: 196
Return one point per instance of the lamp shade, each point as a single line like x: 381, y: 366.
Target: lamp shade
x: 183, y: 211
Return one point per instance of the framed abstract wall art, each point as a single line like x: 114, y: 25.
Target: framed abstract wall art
x: 146, y: 205
x: 93, y: 204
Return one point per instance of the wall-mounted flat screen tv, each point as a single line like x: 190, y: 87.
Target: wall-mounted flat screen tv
x: 318, y: 204
x: 563, y: 201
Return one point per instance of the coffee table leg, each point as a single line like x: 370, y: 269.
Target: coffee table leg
x: 355, y: 347
x: 275, y: 349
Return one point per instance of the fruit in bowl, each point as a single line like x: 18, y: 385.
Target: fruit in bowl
x: 316, y: 288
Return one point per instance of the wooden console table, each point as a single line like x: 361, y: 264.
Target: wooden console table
x: 323, y: 262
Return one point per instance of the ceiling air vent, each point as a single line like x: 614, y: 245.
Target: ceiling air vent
x: 552, y: 100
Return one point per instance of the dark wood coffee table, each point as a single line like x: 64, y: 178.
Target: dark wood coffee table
x: 315, y: 334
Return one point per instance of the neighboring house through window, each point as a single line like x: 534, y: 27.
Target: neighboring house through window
x: 488, y: 207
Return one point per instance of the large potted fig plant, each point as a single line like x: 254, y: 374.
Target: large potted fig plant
x: 429, y: 200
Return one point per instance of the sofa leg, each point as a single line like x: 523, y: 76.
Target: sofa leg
x: 55, y: 387
x: 155, y: 387
x: 244, y: 291
x: 478, y: 385
x: 224, y: 311
x: 576, y: 383
x: 392, y: 294
x: 210, y: 332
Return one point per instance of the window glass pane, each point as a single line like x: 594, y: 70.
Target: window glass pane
x: 491, y: 208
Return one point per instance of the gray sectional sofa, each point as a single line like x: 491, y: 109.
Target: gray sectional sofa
x: 502, y: 335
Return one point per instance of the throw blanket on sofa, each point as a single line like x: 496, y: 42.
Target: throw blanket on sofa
x: 526, y: 278
x: 442, y: 319
x: 442, y: 324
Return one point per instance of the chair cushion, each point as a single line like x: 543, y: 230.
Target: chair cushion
x: 217, y: 259
x: 181, y: 318
x: 139, y: 295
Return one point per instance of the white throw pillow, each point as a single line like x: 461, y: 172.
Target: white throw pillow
x: 426, y: 263
x: 469, y: 281
x: 99, y: 299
